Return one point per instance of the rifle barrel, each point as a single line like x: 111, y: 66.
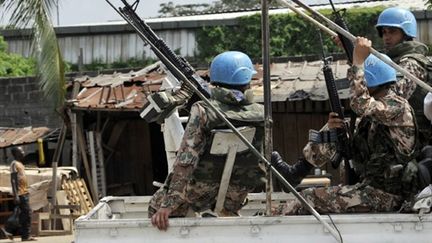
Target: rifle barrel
x: 349, y: 36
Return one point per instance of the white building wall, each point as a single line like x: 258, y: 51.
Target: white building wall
x: 110, y: 48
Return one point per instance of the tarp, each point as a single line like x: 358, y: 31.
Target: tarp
x: 39, y: 180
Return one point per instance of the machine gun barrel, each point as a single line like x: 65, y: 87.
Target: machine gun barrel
x: 161, y: 105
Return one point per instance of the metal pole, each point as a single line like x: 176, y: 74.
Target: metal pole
x: 268, y: 123
x: 349, y: 36
x: 220, y: 115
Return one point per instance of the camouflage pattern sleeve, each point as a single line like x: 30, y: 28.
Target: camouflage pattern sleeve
x: 404, y: 86
x: 192, y: 146
x: 389, y: 110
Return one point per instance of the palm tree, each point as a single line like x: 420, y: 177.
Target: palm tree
x: 35, y: 14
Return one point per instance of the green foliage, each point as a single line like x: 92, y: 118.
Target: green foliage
x: 13, y: 65
x: 3, y: 45
x: 45, y: 49
x: 236, y: 4
x: 290, y: 34
x: 213, y: 40
x: 169, y: 9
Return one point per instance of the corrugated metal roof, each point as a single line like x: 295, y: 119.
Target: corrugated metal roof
x: 290, y: 81
x: 18, y: 136
x: 122, y: 91
x: 304, y: 80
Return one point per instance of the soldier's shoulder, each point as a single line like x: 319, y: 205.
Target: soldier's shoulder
x: 410, y: 59
x: 415, y: 58
x: 392, y: 99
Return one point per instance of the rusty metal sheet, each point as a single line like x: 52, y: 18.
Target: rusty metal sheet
x: 291, y: 80
x: 18, y: 136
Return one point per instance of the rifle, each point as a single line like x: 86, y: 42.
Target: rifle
x: 342, y: 138
x: 161, y: 104
x: 346, y: 43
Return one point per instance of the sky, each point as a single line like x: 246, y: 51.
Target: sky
x: 73, y: 12
x: 95, y: 11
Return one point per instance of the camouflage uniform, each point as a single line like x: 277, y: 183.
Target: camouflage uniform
x: 194, y: 181
x: 383, y: 147
x: 411, y: 55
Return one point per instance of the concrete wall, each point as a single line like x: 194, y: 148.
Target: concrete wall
x: 21, y: 104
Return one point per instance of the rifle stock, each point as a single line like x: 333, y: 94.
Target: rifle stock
x: 160, y: 105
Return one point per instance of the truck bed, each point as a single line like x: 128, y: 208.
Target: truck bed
x: 124, y: 219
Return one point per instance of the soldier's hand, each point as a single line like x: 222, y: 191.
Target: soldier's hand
x: 334, y: 121
x: 361, y: 50
x: 160, y: 218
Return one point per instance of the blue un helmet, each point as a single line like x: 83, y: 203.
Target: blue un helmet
x: 231, y: 67
x: 378, y: 72
x: 400, y: 18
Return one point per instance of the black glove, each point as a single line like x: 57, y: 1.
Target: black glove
x: 276, y: 159
x: 292, y: 173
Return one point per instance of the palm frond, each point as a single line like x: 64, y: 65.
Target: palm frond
x: 35, y: 14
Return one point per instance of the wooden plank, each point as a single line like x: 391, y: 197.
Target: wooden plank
x: 75, y: 197
x: 226, y: 176
x: 85, y: 192
x: 44, y: 216
x: 91, y: 146
x: 101, y: 164
x: 82, y: 148
x: 2, y: 214
x: 290, y: 134
x: 84, y: 195
x: 303, y: 126
x: 62, y: 200
x: 79, y: 197
x: 73, y: 121
x: 116, y: 133
x: 278, y: 132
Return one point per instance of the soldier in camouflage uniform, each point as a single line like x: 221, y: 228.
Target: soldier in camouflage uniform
x: 384, y: 145
x: 194, y: 182
x: 398, y: 28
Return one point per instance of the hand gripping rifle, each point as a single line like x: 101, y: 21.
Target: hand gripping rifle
x: 161, y: 104
x: 343, y: 149
x: 348, y: 47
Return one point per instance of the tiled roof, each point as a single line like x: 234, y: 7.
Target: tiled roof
x: 290, y: 81
x: 18, y: 136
